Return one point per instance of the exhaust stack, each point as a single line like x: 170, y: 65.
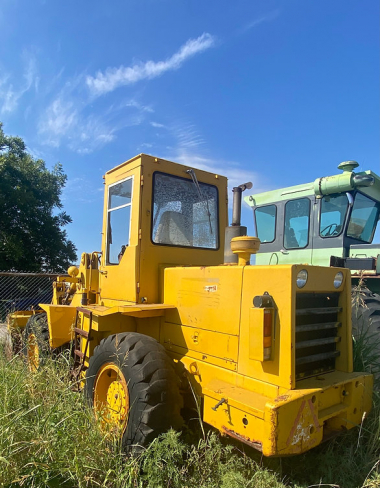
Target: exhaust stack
x: 235, y: 229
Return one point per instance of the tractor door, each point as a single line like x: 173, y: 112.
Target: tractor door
x: 297, y: 227
x: 330, y: 223
x: 119, y: 272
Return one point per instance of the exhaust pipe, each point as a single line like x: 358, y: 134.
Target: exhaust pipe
x: 236, y: 229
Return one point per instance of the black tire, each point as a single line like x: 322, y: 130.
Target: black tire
x: 155, y: 401
x: 36, y: 334
x: 365, y: 312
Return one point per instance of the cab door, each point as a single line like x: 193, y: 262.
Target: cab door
x: 331, y: 222
x: 296, y: 232
x: 119, y: 272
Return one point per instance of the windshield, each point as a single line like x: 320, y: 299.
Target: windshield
x: 183, y: 215
x: 364, y: 217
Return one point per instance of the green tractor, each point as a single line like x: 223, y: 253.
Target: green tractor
x: 330, y: 222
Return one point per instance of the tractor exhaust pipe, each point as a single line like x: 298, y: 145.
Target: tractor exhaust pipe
x: 236, y: 204
x: 236, y: 229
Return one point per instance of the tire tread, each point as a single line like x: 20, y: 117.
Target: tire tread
x: 153, y: 385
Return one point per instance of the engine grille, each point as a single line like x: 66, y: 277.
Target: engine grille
x: 316, y: 333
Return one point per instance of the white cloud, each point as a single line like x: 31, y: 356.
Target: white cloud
x: 68, y: 120
x: 10, y: 99
x: 71, y: 116
x: 59, y: 118
x: 264, y: 18
x: 10, y: 95
x: 188, y: 136
x: 144, y: 145
x: 187, y: 150
x: 113, y: 78
x: 157, y: 125
x: 91, y: 134
x: 30, y: 73
x: 234, y: 171
x: 135, y: 104
x: 64, y: 119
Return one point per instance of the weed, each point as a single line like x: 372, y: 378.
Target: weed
x: 50, y: 438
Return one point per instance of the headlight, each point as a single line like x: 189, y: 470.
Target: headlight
x: 302, y: 278
x: 338, y: 280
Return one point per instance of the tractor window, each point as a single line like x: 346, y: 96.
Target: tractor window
x: 119, y: 219
x: 297, y: 217
x: 183, y: 215
x: 265, y: 218
x: 364, y: 217
x: 333, y: 213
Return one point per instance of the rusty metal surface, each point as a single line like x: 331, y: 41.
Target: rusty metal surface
x: 81, y: 332
x: 85, y: 311
x: 255, y: 444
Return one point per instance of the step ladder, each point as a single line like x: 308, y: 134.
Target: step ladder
x: 79, y: 356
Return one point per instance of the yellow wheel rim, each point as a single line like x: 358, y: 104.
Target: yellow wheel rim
x: 33, y: 353
x: 111, y: 398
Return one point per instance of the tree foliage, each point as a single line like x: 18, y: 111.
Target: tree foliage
x: 32, y: 237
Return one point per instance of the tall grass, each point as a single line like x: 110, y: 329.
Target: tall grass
x: 50, y: 438
x: 45, y: 432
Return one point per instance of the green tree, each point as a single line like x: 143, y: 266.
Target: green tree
x: 32, y: 237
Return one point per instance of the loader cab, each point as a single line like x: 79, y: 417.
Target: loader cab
x: 157, y: 214
x: 332, y: 217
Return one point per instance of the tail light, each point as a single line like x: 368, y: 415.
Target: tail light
x: 261, y: 327
x: 268, y: 321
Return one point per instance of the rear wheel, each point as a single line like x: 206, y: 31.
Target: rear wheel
x: 365, y: 312
x: 132, y: 385
x: 366, y: 330
x: 36, y: 341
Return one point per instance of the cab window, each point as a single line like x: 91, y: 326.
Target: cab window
x: 333, y: 213
x: 118, y: 219
x: 297, y: 217
x: 364, y: 218
x: 184, y: 213
x: 265, y: 218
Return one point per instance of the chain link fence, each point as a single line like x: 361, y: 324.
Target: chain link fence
x: 24, y: 291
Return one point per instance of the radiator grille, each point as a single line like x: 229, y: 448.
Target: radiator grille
x: 316, y: 333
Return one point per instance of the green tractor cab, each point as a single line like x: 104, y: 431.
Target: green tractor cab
x: 330, y: 222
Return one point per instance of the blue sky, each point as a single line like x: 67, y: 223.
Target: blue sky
x: 276, y: 92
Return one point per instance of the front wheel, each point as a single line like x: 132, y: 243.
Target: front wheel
x: 132, y: 384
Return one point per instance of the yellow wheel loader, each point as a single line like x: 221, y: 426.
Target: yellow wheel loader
x: 171, y: 305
